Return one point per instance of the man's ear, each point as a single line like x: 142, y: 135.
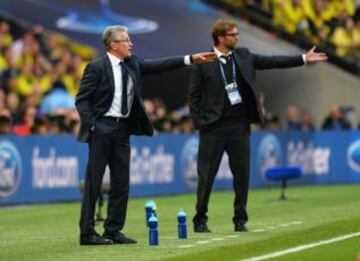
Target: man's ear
x: 112, y: 46
x: 220, y: 39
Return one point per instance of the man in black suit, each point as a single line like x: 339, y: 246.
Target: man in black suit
x: 111, y: 109
x: 223, y: 103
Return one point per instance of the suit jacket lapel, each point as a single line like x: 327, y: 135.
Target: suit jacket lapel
x: 109, y: 73
x: 217, y: 71
x: 131, y: 71
x: 241, y: 66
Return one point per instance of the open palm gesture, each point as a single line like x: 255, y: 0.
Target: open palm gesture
x: 312, y: 56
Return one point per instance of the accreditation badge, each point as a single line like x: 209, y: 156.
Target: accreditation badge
x: 233, y: 93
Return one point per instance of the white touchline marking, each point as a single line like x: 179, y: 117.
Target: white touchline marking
x: 283, y: 225
x: 303, y: 247
x: 186, y: 246
x: 230, y: 236
x: 218, y: 239
x: 296, y: 222
x: 203, y: 242
x: 270, y: 228
x: 276, y: 226
x: 258, y: 230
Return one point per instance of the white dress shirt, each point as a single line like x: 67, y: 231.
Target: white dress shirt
x: 115, y: 108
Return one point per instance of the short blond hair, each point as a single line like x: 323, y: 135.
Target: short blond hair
x: 110, y: 34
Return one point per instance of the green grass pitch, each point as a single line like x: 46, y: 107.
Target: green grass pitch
x: 312, y: 214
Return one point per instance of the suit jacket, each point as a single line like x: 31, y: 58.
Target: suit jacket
x: 206, y: 90
x: 97, y: 89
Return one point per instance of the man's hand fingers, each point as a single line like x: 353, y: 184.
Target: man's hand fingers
x: 204, y: 57
x: 313, y: 49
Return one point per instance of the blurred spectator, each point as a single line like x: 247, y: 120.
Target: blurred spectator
x: 28, y: 119
x: 290, y: 15
x: 56, y: 122
x: 346, y: 38
x: 21, y: 46
x: 292, y: 118
x: 27, y: 83
x: 335, y: 120
x: 5, y: 122
x: 40, y: 126
x: 349, y: 115
x: 72, y: 122
x: 307, y: 124
x: 150, y: 109
x: 57, y: 98
x: 187, y: 125
x: 273, y: 123
x: 13, y: 104
x: 184, y: 110
x: 6, y: 37
x: 2, y: 99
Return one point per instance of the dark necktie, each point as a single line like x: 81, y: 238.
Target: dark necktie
x: 124, y: 98
x: 227, y: 58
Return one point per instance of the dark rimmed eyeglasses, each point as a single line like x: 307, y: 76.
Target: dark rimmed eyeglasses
x: 232, y: 34
x: 122, y: 41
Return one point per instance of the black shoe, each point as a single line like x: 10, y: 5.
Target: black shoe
x: 94, y: 239
x: 201, y: 228
x: 240, y: 227
x: 119, y: 238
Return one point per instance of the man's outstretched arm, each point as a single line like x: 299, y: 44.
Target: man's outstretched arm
x: 170, y: 63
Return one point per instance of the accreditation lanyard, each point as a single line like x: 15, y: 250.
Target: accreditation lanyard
x: 231, y: 88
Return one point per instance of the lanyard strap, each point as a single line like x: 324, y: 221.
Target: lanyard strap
x: 223, y: 73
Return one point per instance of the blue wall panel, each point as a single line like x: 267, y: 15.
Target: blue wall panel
x: 44, y: 169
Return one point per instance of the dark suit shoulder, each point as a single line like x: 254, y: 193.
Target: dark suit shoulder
x: 99, y: 62
x: 132, y: 59
x: 242, y: 50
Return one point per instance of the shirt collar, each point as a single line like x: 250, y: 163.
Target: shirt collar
x: 220, y: 55
x: 113, y: 59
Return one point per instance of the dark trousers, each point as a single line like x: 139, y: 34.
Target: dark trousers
x: 235, y: 141
x: 109, y: 145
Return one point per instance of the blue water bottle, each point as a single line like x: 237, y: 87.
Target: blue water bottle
x: 182, y: 231
x: 153, y: 230
x: 149, y: 209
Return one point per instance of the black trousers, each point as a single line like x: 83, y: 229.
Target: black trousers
x: 109, y: 145
x: 235, y: 141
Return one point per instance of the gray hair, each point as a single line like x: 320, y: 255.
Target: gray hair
x: 110, y: 34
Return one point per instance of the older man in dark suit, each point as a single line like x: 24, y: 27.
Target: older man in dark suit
x: 223, y: 103
x: 111, y: 109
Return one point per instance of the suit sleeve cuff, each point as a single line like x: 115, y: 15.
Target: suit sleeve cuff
x: 187, y: 60
x: 304, y: 58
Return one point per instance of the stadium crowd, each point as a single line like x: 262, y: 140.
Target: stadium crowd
x: 39, y: 78
x: 332, y: 23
